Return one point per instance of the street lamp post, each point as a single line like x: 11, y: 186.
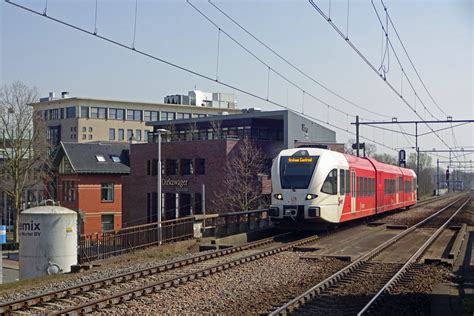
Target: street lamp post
x: 158, y: 176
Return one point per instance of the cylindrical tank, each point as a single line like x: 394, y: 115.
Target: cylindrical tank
x: 48, y: 241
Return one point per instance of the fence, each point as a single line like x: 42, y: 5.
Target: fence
x: 238, y: 222
x: 107, y: 244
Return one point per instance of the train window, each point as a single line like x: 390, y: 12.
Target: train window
x: 296, y: 172
x: 366, y: 187
x: 347, y: 182
x: 342, y: 181
x: 359, y: 186
x: 330, y: 184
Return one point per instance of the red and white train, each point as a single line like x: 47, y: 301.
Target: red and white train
x: 312, y: 185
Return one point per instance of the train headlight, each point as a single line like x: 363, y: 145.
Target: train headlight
x: 310, y: 196
x: 278, y: 196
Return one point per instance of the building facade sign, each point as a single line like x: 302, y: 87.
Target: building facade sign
x: 174, y: 182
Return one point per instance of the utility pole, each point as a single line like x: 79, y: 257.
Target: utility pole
x: 437, y: 177
x: 417, y: 159
x: 357, y: 134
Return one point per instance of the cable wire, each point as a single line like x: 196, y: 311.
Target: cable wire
x: 190, y: 71
x: 289, y: 63
x: 362, y: 56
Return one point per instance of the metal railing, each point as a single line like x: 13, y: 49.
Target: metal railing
x: 238, y: 222
x: 113, y: 243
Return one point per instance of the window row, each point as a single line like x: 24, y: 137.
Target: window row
x: 116, y: 114
x: 59, y: 114
x: 174, y: 167
x: 362, y: 186
x: 68, y: 191
x: 173, y: 205
x: 119, y: 134
x: 365, y: 186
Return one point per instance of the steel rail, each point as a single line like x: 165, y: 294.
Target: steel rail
x: 310, y: 293
x: 393, y: 281
x: 127, y: 276
x: 159, y: 285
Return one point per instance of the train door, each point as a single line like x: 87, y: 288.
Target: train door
x: 353, y: 191
x: 397, y: 190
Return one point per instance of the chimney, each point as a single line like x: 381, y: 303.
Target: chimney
x: 65, y: 94
x: 51, y: 95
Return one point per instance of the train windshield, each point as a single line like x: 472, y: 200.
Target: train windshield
x: 296, y: 172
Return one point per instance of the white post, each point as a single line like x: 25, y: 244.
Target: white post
x: 158, y: 175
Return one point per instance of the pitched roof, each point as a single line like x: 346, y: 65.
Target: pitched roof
x: 97, y: 157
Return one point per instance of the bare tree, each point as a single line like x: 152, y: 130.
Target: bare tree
x: 24, y: 146
x: 243, y: 188
x: 216, y: 126
x: 192, y: 131
x: 386, y: 158
x: 370, y: 149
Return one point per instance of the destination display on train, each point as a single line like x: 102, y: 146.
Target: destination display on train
x: 300, y: 159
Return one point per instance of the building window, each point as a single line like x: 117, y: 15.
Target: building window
x: 100, y: 113
x: 115, y: 158
x: 197, y: 203
x: 145, y: 135
x: 45, y: 113
x: 185, y: 205
x: 90, y: 129
x: 138, y: 134
x: 151, y: 116
x: 187, y: 167
x: 168, y: 116
x: 54, y: 114
x: 120, y: 134
x: 90, y: 136
x: 71, y: 112
x: 107, y: 192
x: 116, y: 114
x: 111, y: 133
x: 54, y: 135
x: 84, y: 129
x: 183, y: 116
x: 171, y: 166
x: 69, y: 192
x: 200, y: 166
x: 84, y: 136
x: 134, y: 115
x: 129, y: 134
x: 100, y: 158
x: 107, y: 221
x: 84, y: 111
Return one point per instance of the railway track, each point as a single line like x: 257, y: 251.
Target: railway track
x: 348, y: 291
x: 95, y: 295
x: 81, y: 289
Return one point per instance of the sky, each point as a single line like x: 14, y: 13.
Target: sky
x: 438, y: 35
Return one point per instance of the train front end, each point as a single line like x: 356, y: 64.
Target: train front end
x: 297, y: 179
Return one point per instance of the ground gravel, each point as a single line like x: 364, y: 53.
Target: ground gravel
x: 253, y: 288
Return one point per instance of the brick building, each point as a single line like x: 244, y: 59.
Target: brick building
x: 194, y: 158
x: 89, y: 180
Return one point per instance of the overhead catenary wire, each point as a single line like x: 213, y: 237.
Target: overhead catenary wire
x: 273, y: 70
x: 292, y: 65
x: 362, y: 56
x: 398, y: 59
x: 410, y: 60
x: 185, y: 69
